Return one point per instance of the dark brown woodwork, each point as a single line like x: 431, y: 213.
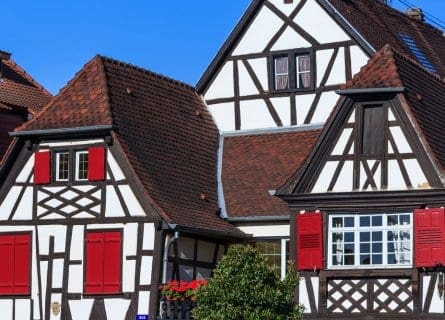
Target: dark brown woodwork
x: 236, y: 96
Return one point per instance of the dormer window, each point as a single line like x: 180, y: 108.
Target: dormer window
x: 292, y: 71
x: 372, y: 130
x: 69, y: 165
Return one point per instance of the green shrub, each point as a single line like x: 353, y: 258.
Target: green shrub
x: 245, y: 287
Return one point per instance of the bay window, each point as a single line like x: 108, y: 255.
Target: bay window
x: 370, y: 240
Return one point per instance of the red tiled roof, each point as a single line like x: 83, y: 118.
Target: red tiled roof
x: 425, y: 92
x: 163, y: 127
x: 255, y: 164
x: 380, y: 24
x: 18, y: 89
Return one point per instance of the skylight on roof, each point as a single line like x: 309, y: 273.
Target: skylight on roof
x: 420, y: 56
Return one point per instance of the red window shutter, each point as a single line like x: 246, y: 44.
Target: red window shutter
x: 42, y: 167
x: 96, y: 163
x: 7, y: 264
x: 309, y: 241
x: 429, y: 241
x: 112, y: 269
x: 22, y: 246
x: 94, y: 263
x: 103, y: 262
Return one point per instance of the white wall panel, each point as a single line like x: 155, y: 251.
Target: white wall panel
x: 338, y: 73
x: 222, y: 85
x: 282, y: 106
x: 325, y: 177
x: 6, y: 309
x: 259, y: 33
x: 149, y: 236
x: 415, y: 173
x: 345, y: 179
x: 322, y: 58
x: 327, y: 102
x: 342, y: 142
x: 400, y: 140
x: 143, y: 302
x: 81, y: 309
x: 358, y: 59
x: 58, y: 273
x: 224, y: 115
x: 113, y: 207
x: 303, y: 104
x: 313, y: 19
x: 114, y: 167
x: 77, y: 239
x: 246, y: 84
x: 290, y: 39
x: 128, y: 275
x: 116, y: 308
x: 133, y: 205
x: 24, y: 210
x: 146, y: 267
x: 304, y: 296
x: 281, y: 230
x: 68, y: 143
x: 286, y: 8
x: 130, y: 239
x: 26, y: 170
x: 259, y: 65
x: 8, y: 203
x: 75, y: 279
x: 254, y: 114
x: 22, y: 309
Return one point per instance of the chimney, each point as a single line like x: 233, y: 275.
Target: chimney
x: 3, y: 56
x: 415, y: 14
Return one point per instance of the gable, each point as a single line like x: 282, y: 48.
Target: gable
x: 371, y: 145
x: 240, y: 87
x: 22, y: 199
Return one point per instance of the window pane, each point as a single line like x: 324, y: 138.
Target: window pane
x: 337, y: 222
x: 281, y: 73
x: 62, y: 164
x: 365, y: 236
x: 377, y: 236
x: 376, y: 259
x: 365, y: 259
x: 271, y: 250
x: 349, y: 222
x: 82, y: 165
x: 303, y: 72
x: 393, y: 220
x: 349, y: 237
x: 365, y: 248
x: 377, y: 221
x: 365, y: 221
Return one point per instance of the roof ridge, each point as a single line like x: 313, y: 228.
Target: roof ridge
x: 104, y: 86
x: 149, y: 72
x: 27, y: 76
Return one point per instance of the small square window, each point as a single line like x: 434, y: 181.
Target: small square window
x: 82, y: 165
x: 62, y: 166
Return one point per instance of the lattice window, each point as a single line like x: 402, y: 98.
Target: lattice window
x: 370, y: 240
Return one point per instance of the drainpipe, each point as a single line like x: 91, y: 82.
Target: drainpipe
x: 166, y: 252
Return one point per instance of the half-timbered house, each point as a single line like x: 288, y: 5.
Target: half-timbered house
x: 284, y: 60
x: 367, y: 206
x: 113, y: 192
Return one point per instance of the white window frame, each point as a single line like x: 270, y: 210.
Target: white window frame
x: 298, y: 72
x: 58, y: 154
x: 77, y: 164
x: 357, y: 229
x: 282, y: 245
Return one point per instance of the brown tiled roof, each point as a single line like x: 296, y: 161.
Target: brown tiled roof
x: 19, y: 94
x: 380, y: 24
x: 163, y: 127
x: 254, y: 164
x: 425, y: 92
x: 18, y: 89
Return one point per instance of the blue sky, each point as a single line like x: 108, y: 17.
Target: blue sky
x: 52, y: 40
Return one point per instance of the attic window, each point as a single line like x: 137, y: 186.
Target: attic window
x: 417, y: 52
x: 291, y: 71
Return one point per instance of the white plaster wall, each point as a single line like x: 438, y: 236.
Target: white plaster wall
x: 303, y: 104
x: 222, y: 86
x: 327, y: 102
x: 224, y: 115
x: 254, y: 114
x: 114, y: 167
x: 116, y: 309
x: 113, y: 207
x: 56, y: 297
x: 290, y: 39
x: 146, y: 268
x: 133, y: 205
x: 59, y: 234
x: 259, y: 66
x: 313, y: 19
x: 338, y: 73
x: 149, y: 236
x: 325, y: 177
x: 437, y: 305
x: 26, y: 170
x: 282, y: 107
x: 281, y: 230
x: 24, y: 210
x: 246, y: 84
x: 68, y: 143
x: 75, y: 279
x: 344, y: 180
x: 6, y: 308
x: 81, y: 309
x: 259, y: 33
x: 8, y: 202
x: 358, y: 59
x: 286, y: 8
x: 143, y: 302
x: 342, y: 141
x: 322, y: 57
x: 22, y: 309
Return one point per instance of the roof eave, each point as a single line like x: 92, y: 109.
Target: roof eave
x: 227, y: 235
x: 351, y: 92
x: 99, y: 129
